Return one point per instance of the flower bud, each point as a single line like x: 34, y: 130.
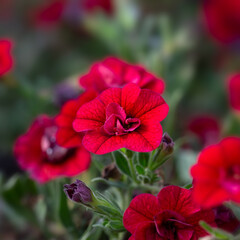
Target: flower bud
x: 167, y: 144
x: 111, y: 171
x: 79, y: 192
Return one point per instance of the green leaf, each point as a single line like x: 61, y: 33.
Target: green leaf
x: 40, y: 210
x: 143, y: 159
x: 140, y: 170
x: 116, y: 225
x: 218, y: 233
x: 121, y: 161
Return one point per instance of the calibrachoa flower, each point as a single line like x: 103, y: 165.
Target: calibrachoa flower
x: 206, y: 128
x: 66, y: 135
x: 113, y: 72
x: 37, y: 152
x: 216, y: 176
x: 117, y: 118
x: 169, y: 216
x: 234, y: 90
x: 54, y: 11
x: 223, y: 19
x: 6, y: 60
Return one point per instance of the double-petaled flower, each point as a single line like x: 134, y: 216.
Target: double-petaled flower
x: 169, y: 216
x: 113, y: 72
x: 122, y: 117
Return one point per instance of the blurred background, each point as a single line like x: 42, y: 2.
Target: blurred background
x: 56, y: 41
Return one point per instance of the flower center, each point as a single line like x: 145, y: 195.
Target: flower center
x: 171, y: 225
x: 231, y: 178
x: 117, y: 123
x: 52, y: 152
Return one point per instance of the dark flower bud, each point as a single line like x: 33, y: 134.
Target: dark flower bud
x: 225, y: 219
x: 111, y: 171
x: 167, y: 144
x: 79, y: 192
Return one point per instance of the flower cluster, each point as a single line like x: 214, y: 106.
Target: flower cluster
x: 99, y: 123
x: 121, y: 107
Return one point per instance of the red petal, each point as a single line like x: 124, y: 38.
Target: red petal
x: 209, y: 195
x: 68, y: 138
x: 129, y: 96
x: 212, y: 156
x: 208, y: 216
x: 90, y: 116
x: 142, y: 209
x: 146, y: 138
x: 231, y: 150
x: 73, y: 166
x: 149, y: 105
x: 177, y: 199
x: 99, y: 142
x: 202, y: 172
x: 146, y: 231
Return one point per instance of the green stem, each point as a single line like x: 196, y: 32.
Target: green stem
x: 133, y: 173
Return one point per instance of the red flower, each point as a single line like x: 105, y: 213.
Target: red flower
x: 6, y: 61
x: 60, y: 10
x: 169, y: 216
x: 234, y: 90
x: 66, y: 135
x: 51, y: 12
x: 223, y: 19
x: 206, y: 128
x: 117, y: 118
x: 92, y: 5
x: 38, y: 152
x: 113, y: 72
x: 216, y: 175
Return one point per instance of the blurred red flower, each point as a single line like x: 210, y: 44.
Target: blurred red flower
x: 171, y: 215
x: 223, y: 19
x: 234, y: 91
x: 37, y: 152
x: 113, y: 72
x: 216, y: 176
x: 54, y: 11
x: 66, y: 135
x: 6, y: 60
x: 117, y: 118
x: 206, y: 128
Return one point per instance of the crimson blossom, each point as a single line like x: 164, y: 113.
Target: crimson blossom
x: 169, y: 216
x: 216, y: 176
x: 37, y: 152
x: 223, y: 19
x: 206, y: 128
x: 6, y: 60
x: 66, y: 135
x: 234, y: 91
x: 55, y: 11
x: 122, y: 117
x: 113, y: 72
